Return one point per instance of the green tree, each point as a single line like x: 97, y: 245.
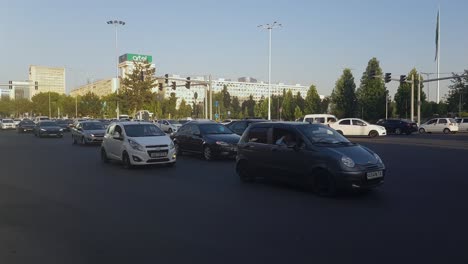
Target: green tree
x: 21, y: 106
x: 90, y: 105
x: 226, y: 98
x: 343, y: 96
x: 298, y: 113
x: 235, y: 107
x: 312, y: 101
x: 324, y: 105
x: 261, y: 108
x: 403, y: 96
x: 249, y: 107
x: 185, y: 110
x: 169, y: 106
x: 300, y: 101
x: 371, y: 92
x: 457, y: 98
x: 6, y: 107
x: 288, y: 106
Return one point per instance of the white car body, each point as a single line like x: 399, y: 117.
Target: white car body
x: 462, y: 124
x: 320, y: 118
x: 168, y: 126
x: 357, y: 127
x: 40, y: 118
x: 145, y: 150
x: 16, y: 121
x: 439, y: 125
x: 7, y: 124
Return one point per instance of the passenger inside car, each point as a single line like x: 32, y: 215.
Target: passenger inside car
x: 284, y: 138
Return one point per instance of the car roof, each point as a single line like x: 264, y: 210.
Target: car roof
x: 201, y: 122
x: 283, y: 123
x: 126, y: 123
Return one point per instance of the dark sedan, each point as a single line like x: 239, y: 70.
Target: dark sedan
x: 239, y: 126
x: 398, y: 126
x: 64, y: 124
x: 48, y: 129
x: 207, y: 138
x: 25, y: 126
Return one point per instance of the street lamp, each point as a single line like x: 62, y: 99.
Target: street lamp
x: 269, y: 27
x: 116, y: 23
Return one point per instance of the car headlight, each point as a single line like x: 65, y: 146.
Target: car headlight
x: 348, y: 162
x: 171, y: 146
x: 43, y: 129
x: 61, y: 130
x: 222, y: 143
x: 92, y: 135
x: 135, y: 145
x: 377, y: 157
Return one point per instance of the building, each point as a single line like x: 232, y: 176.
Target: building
x: 100, y: 88
x: 19, y: 90
x: 49, y: 79
x: 126, y: 62
x: 247, y: 79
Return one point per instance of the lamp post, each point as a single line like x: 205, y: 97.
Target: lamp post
x: 116, y: 23
x: 269, y: 27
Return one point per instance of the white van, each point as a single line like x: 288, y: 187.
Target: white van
x: 320, y: 119
x: 40, y: 118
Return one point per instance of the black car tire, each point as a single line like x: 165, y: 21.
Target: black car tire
x: 324, y: 184
x: 244, y: 172
x: 373, y: 134
x: 398, y: 131
x: 126, y: 161
x: 207, y: 153
x: 446, y: 131
x: 104, y: 157
x: 422, y: 131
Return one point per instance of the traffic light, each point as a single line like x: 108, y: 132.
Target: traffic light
x: 371, y: 74
x: 166, y: 78
x: 388, y: 77
x: 10, y: 84
x: 402, y: 79
x: 187, y: 83
x: 174, y: 85
x: 160, y: 86
x: 36, y: 85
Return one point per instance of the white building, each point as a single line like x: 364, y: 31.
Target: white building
x: 126, y: 63
x: 49, y: 79
x: 19, y: 90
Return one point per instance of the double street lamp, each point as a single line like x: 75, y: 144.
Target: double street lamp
x: 116, y: 23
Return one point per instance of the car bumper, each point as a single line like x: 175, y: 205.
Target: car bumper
x: 8, y: 127
x: 51, y: 133
x: 140, y: 158
x: 94, y: 140
x: 227, y: 151
x: 357, y: 180
x: 26, y: 129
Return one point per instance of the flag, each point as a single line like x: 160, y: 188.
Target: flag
x: 437, y: 37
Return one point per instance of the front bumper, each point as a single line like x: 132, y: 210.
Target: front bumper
x: 26, y: 129
x: 355, y: 180
x: 8, y: 127
x: 148, y: 157
x: 224, y: 150
x: 94, y: 140
x: 51, y: 133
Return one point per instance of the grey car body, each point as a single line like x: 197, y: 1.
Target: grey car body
x: 318, y: 157
x: 88, y: 132
x: 47, y: 128
x: 168, y: 126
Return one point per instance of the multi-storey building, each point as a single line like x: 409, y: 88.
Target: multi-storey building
x: 49, y: 79
x: 100, y: 88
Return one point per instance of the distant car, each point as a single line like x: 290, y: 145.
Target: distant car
x: 227, y: 121
x: 88, y: 132
x: 64, y: 124
x: 41, y: 118
x: 207, y: 138
x: 16, y: 121
x: 105, y: 122
x: 47, y: 129
x: 135, y: 143
x: 7, y: 124
x: 398, y: 126
x: 439, y: 125
x: 25, y: 126
x: 358, y: 127
x: 240, y: 126
x: 311, y: 155
x: 320, y: 118
x: 168, y: 125
x: 462, y: 124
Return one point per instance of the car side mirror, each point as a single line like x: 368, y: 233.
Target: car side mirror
x: 117, y: 136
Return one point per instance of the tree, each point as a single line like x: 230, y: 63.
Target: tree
x: 343, y: 96
x: 371, y: 92
x: 288, y: 106
x: 299, y: 101
x: 261, y: 108
x: 297, y: 113
x: 457, y: 98
x: 5, y: 107
x: 403, y: 96
x: 312, y: 101
x: 324, y: 105
x: 236, y: 107
x: 185, y: 110
x: 137, y: 86
x: 90, y: 105
x: 169, y: 106
x: 21, y: 106
x: 226, y: 98
x: 249, y: 107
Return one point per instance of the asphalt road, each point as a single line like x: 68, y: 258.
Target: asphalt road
x: 59, y: 204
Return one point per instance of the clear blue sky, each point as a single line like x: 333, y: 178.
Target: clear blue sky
x: 318, y: 40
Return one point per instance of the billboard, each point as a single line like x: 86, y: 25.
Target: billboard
x: 135, y: 57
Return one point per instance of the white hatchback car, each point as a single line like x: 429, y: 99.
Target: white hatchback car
x: 358, y: 127
x: 137, y: 143
x: 439, y: 125
x: 7, y: 124
x: 462, y: 124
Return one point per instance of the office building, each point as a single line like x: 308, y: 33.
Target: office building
x: 100, y: 88
x: 49, y: 79
x: 126, y: 62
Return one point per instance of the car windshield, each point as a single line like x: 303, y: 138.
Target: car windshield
x: 93, y: 126
x: 143, y: 130
x: 61, y: 122
x: 173, y: 122
x: 48, y: 124
x: 214, y: 129
x: 27, y: 122
x: 322, y: 134
x: 7, y: 121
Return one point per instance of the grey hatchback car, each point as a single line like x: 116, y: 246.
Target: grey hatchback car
x: 312, y: 155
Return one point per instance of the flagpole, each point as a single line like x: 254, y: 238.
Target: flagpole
x: 438, y: 58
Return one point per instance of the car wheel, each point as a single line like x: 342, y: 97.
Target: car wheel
x: 177, y: 149
x: 398, y: 131
x: 324, y: 184
x: 373, y: 134
x: 340, y: 132
x: 207, y: 153
x: 422, y: 131
x: 127, y: 164
x: 446, y: 131
x: 83, y: 141
x: 244, y: 172
x: 104, y: 157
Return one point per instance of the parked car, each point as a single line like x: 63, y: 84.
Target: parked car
x: 439, y: 125
x: 88, y: 132
x: 7, y: 124
x: 135, y: 143
x: 320, y: 118
x: 41, y: 118
x: 16, y: 121
x: 227, y: 121
x: 358, y: 127
x: 311, y: 155
x: 169, y: 126
x: 207, y: 138
x: 25, y: 126
x: 462, y: 124
x: 398, y: 126
x: 64, y: 124
x: 240, y: 126
x: 47, y: 129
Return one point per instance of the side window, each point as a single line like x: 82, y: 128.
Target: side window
x: 465, y: 121
x: 320, y: 120
x: 331, y: 120
x: 345, y: 122
x: 258, y: 135
x: 239, y: 126
x: 165, y: 123
x: 433, y: 121
x: 118, y: 129
x: 194, y: 129
x: 284, y: 137
x: 443, y: 121
x: 110, y: 130
x: 459, y: 120
x: 183, y: 130
x: 309, y: 120
x: 358, y: 122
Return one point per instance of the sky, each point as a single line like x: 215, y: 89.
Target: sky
x: 195, y: 38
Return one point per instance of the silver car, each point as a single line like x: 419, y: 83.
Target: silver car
x: 88, y: 132
x: 169, y: 126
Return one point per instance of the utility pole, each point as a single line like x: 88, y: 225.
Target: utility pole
x: 115, y: 23
x: 211, y: 96
x: 419, y: 100
x: 386, y: 103
x: 50, y: 110
x: 76, y: 106
x: 412, y: 98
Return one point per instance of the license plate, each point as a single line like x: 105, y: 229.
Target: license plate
x: 158, y: 154
x: 374, y: 175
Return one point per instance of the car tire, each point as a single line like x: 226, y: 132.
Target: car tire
x: 446, y: 131
x: 244, y: 172
x: 177, y: 149
x: 398, y: 131
x: 324, y: 184
x: 207, y: 153
x: 340, y: 132
x: 127, y: 164
x: 373, y: 134
x: 104, y: 157
x: 422, y: 131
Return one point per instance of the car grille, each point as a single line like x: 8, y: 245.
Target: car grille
x: 157, y: 160
x: 372, y: 167
x: 158, y: 146
x: 99, y: 135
